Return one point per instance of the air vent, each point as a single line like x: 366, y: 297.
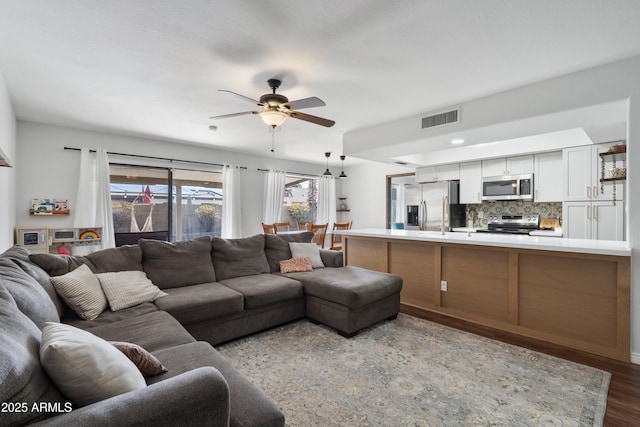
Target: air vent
x: 441, y: 119
x: 401, y: 163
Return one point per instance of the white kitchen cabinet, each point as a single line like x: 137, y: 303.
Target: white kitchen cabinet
x: 548, y: 177
x: 599, y: 220
x: 582, y: 168
x: 507, y: 166
x: 471, y: 182
x: 438, y: 173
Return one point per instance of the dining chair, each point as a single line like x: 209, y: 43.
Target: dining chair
x: 336, y: 238
x: 269, y: 228
x: 304, y: 225
x: 319, y: 233
x: 282, y: 226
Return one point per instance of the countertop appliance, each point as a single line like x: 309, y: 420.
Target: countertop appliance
x: 428, y: 206
x: 508, y: 187
x: 512, y: 224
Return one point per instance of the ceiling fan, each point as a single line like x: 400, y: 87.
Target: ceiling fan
x: 276, y: 107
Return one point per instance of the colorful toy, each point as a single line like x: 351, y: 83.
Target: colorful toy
x: 89, y: 235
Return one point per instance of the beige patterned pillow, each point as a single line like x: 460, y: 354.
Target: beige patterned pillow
x: 146, y: 362
x: 81, y: 290
x: 296, y: 264
x: 125, y: 289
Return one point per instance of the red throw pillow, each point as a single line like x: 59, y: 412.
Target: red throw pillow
x: 146, y: 362
x: 296, y: 264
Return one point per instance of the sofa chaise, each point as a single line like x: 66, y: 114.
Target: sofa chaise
x: 214, y: 290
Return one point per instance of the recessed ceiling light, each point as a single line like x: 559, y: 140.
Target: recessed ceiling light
x: 457, y: 141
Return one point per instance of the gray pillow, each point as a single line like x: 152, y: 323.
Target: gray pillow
x: 277, y: 247
x: 172, y: 265
x: 21, y: 375
x: 239, y: 257
x: 123, y: 258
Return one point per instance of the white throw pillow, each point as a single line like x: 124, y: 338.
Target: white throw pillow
x: 125, y: 289
x: 84, y: 367
x: 309, y: 250
x: 81, y: 290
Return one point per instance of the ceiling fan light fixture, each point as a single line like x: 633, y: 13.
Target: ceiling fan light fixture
x: 273, y: 118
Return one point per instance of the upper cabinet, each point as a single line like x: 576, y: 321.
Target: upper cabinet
x: 548, y: 177
x: 438, y: 173
x: 507, y: 166
x: 582, y: 169
x: 471, y: 182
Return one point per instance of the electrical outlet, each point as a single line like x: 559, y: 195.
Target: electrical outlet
x: 443, y: 285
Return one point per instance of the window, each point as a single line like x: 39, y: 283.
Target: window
x: 165, y: 204
x: 300, y: 199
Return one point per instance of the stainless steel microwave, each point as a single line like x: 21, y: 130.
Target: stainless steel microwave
x: 509, y: 187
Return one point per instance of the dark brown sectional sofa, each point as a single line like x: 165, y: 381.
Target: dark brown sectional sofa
x: 218, y: 290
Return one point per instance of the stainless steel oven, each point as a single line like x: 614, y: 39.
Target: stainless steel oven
x: 508, y: 187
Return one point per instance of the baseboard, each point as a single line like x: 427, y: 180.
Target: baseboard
x: 635, y: 358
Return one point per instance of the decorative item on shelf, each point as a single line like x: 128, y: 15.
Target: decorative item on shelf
x: 342, y: 174
x: 620, y: 148
x: 327, y: 172
x: 342, y: 205
x: 49, y: 207
x: 89, y: 235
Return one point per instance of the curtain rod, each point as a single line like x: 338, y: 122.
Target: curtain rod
x: 155, y: 158
x: 293, y: 173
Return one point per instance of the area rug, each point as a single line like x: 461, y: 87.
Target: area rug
x: 412, y: 372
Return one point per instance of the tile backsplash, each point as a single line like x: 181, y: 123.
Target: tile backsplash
x: 515, y: 207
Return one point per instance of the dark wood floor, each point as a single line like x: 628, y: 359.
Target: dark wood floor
x: 623, y: 402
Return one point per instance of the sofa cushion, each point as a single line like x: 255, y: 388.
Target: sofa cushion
x: 264, y: 289
x: 29, y: 296
x: 239, y: 257
x: 21, y: 375
x: 277, y: 247
x: 123, y: 258
x: 86, y: 368
x: 249, y: 406
x: 125, y: 289
x: 20, y: 256
x: 109, y: 316
x: 190, y: 304
x: 349, y: 286
x: 57, y: 265
x: 81, y: 290
x: 170, y: 265
x: 152, y: 331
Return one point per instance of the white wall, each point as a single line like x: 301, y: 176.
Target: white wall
x: 46, y: 169
x: 365, y: 189
x: 7, y: 175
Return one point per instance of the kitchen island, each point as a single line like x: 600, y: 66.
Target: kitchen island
x: 572, y: 292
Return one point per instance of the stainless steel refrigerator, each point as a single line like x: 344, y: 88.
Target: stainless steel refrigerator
x: 431, y: 205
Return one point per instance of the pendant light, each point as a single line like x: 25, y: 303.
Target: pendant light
x: 342, y: 174
x: 327, y: 172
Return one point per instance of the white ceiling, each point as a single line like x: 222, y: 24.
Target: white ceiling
x: 152, y: 67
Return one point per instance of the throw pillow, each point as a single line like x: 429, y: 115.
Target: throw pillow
x: 81, y: 290
x: 86, y: 368
x: 125, y: 289
x: 146, y: 362
x: 295, y: 264
x: 310, y: 250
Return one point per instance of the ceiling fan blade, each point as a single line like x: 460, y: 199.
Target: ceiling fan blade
x: 224, y: 116
x: 305, y: 103
x: 312, y: 119
x: 246, y: 98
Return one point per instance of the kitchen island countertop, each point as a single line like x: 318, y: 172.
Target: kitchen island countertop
x: 600, y: 247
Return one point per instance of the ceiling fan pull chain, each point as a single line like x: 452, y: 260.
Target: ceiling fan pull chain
x: 273, y: 143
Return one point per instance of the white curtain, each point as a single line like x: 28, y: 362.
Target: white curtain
x: 231, y: 206
x: 326, y: 201
x: 274, y: 183
x: 93, y: 201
